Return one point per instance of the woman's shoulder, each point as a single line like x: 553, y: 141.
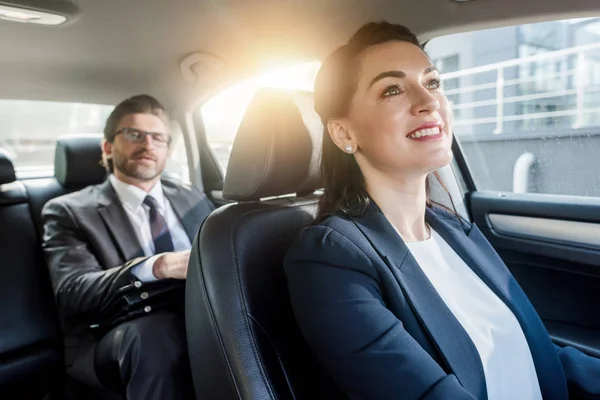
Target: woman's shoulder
x: 331, y: 234
x: 333, y: 242
x: 332, y: 225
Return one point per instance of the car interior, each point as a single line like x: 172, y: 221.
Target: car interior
x: 242, y: 336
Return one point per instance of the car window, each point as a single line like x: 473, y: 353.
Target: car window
x: 29, y: 130
x: 223, y: 113
x: 526, y: 103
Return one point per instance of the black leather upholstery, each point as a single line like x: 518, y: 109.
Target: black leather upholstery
x: 77, y: 161
x: 242, y: 336
x: 7, y: 172
x: 30, y: 344
x: 76, y: 165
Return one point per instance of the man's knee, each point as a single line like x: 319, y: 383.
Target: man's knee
x: 156, y: 340
x: 152, y: 346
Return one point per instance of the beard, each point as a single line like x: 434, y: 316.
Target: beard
x: 142, y: 172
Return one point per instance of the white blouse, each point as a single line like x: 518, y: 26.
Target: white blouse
x: 493, y: 328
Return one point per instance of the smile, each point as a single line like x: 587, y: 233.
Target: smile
x: 426, y: 134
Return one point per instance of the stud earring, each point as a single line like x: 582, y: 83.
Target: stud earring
x: 348, y: 149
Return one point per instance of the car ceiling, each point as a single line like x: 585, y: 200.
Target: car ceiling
x: 116, y: 48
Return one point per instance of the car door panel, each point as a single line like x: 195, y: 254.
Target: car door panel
x: 551, y: 244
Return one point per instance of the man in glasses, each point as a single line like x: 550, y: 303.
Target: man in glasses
x: 117, y: 252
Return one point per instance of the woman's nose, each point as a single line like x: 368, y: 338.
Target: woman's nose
x: 424, y: 101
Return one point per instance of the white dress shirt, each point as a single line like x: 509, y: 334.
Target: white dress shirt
x: 491, y: 325
x: 132, y: 199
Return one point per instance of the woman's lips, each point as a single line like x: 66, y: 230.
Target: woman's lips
x: 427, y: 134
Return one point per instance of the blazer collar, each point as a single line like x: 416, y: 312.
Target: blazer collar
x: 453, y: 342
x: 185, y: 209
x: 118, y: 223
x: 480, y: 256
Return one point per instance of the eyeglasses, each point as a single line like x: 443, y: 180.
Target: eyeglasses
x: 137, y: 136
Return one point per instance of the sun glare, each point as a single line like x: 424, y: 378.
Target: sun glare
x: 223, y: 113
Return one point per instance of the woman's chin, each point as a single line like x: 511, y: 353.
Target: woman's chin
x: 439, y: 162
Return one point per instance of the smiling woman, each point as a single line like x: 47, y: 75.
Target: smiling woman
x: 395, y: 294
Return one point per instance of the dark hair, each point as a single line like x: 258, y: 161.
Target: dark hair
x: 335, y: 85
x: 140, y: 104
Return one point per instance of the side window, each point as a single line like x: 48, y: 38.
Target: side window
x: 450, y: 63
x: 177, y: 164
x: 29, y: 129
x: 526, y: 103
x: 223, y: 113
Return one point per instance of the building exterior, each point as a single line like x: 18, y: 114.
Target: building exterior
x: 529, y: 89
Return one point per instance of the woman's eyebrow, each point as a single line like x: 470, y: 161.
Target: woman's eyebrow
x: 398, y: 74
x: 386, y: 74
x: 430, y: 69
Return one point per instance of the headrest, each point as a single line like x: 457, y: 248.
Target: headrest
x: 77, y: 160
x: 274, y: 152
x: 7, y: 171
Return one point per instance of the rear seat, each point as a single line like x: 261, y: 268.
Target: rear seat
x: 76, y: 165
x: 30, y: 343
x: 31, y: 362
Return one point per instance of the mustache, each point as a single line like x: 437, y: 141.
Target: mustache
x: 144, y: 153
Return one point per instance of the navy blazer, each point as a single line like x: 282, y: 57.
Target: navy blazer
x: 382, y: 331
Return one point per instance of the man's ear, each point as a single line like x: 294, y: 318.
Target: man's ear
x: 340, y: 133
x: 106, y: 149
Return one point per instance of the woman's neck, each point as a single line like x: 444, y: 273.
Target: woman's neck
x: 403, y: 200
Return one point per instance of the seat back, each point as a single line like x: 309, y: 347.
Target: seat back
x: 30, y: 344
x: 76, y: 165
x: 243, y: 340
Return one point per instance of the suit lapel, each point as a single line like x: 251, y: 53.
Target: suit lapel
x: 478, y: 254
x: 452, y: 341
x: 184, y: 208
x: 118, y: 223
x: 497, y: 279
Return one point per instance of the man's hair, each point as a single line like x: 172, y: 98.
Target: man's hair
x: 140, y: 104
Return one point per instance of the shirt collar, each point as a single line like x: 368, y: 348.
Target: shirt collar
x: 132, y: 196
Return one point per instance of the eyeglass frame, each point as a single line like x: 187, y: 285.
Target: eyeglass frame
x: 154, y: 136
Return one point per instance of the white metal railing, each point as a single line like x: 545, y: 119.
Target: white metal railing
x: 570, y: 83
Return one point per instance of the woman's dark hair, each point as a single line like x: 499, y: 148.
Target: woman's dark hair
x: 335, y: 85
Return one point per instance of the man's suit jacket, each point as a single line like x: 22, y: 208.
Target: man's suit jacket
x: 382, y: 331
x: 90, y: 245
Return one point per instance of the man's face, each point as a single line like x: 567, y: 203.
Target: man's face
x: 143, y: 161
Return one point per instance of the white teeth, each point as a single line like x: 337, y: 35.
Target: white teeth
x: 424, y: 132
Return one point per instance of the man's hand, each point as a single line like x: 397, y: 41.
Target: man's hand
x: 172, y: 265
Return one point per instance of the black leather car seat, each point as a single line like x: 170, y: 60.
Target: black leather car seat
x: 30, y: 344
x: 242, y: 336
x: 76, y: 165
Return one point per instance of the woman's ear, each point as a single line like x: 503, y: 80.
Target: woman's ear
x: 339, y: 131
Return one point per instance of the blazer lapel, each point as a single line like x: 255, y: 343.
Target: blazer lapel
x: 118, y: 223
x: 185, y: 210
x: 452, y: 341
x: 478, y: 254
x: 497, y: 279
